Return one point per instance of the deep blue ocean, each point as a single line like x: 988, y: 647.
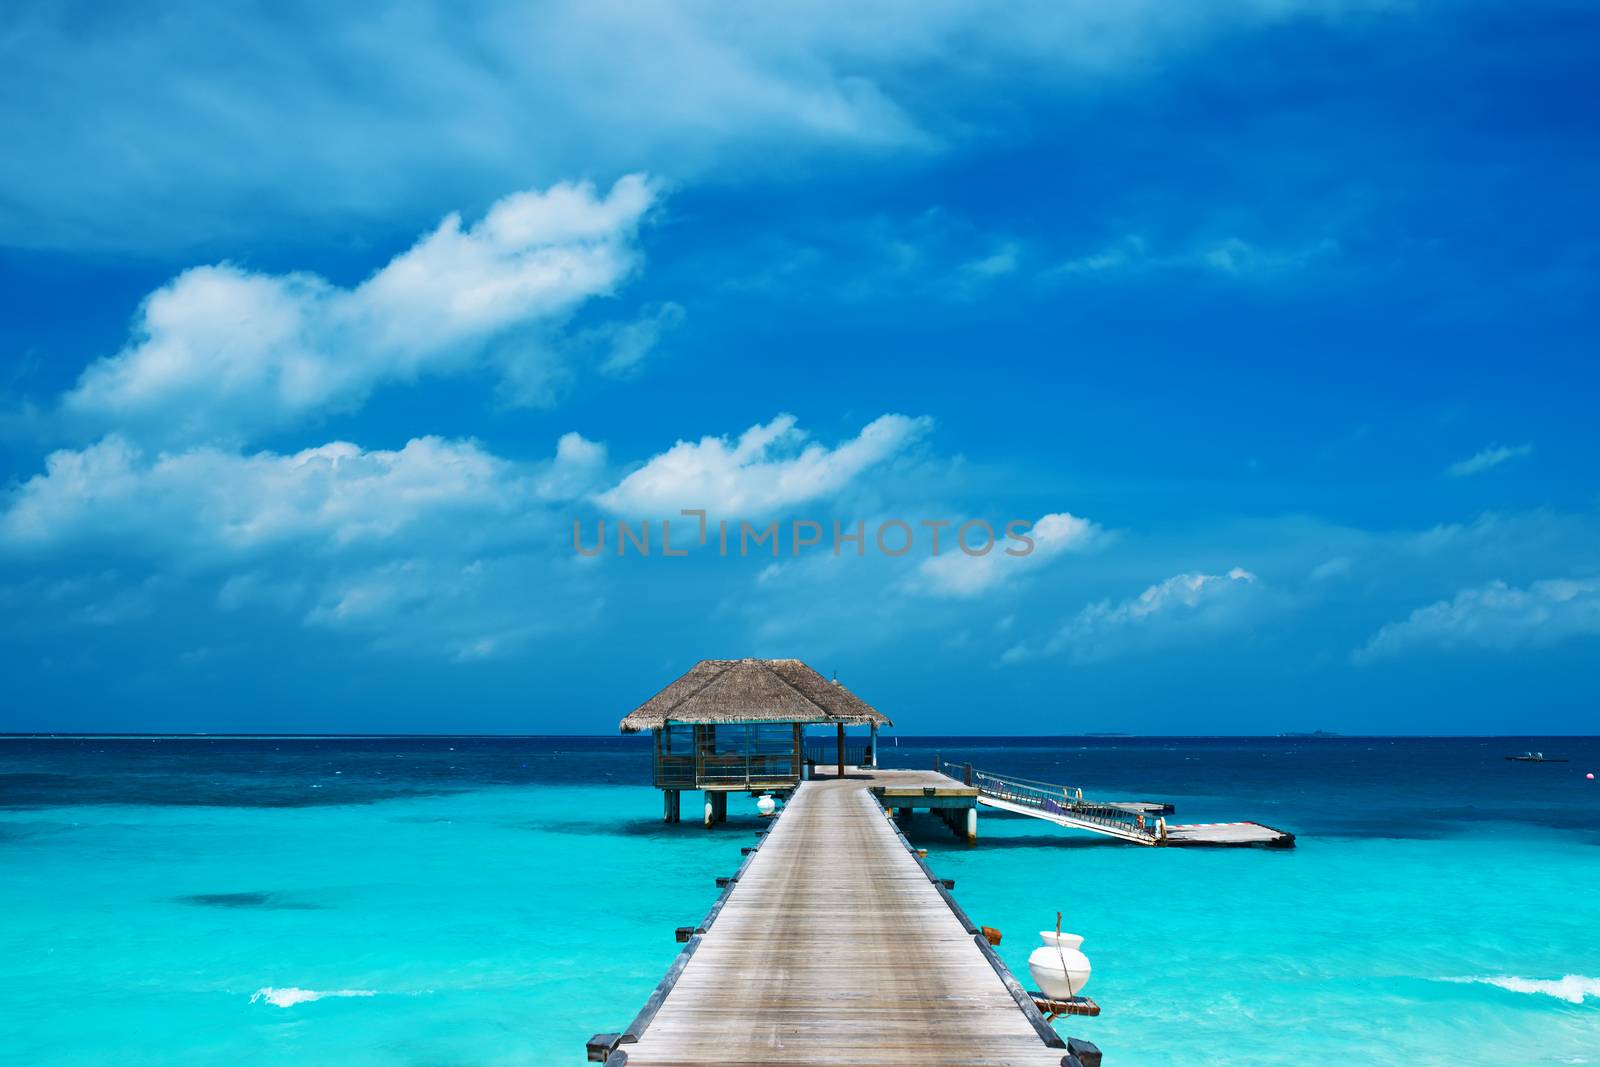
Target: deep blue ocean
x: 469, y: 901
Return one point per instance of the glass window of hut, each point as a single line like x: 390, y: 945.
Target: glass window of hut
x: 678, y: 739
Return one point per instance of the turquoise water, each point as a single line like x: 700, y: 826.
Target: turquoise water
x: 496, y: 902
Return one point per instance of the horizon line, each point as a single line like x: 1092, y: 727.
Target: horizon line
x: 350, y: 735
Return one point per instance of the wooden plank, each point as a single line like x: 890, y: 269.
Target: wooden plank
x: 899, y: 791
x: 837, y: 945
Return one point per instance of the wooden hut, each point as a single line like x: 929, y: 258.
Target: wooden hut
x: 730, y: 725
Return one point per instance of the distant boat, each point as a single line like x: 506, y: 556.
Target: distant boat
x: 1535, y: 757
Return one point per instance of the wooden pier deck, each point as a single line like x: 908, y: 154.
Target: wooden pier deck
x: 836, y: 945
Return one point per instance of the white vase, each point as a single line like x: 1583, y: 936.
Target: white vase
x: 1059, y: 969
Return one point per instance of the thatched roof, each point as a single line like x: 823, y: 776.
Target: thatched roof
x: 753, y: 690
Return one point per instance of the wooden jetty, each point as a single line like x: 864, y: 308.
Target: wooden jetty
x: 835, y: 944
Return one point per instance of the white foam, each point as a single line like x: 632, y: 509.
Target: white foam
x: 289, y: 996
x: 1571, y: 988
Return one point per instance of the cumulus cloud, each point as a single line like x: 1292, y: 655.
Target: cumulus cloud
x: 209, y: 504
x: 954, y: 573
x: 1487, y: 458
x: 431, y: 547
x: 1183, y: 608
x: 768, y: 467
x: 1496, y: 617
x: 222, y: 354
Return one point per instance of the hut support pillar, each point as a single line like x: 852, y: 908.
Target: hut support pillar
x: 872, y: 751
x: 670, y: 809
x: 716, y: 807
x: 841, y: 750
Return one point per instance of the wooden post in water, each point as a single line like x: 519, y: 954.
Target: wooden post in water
x: 841, y: 750
x: 670, y: 809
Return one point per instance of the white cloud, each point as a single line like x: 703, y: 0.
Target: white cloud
x: 924, y: 253
x: 1337, y: 567
x: 954, y: 573
x: 1003, y: 260
x: 1183, y: 608
x: 131, y: 142
x: 1497, y: 617
x: 433, y: 548
x: 465, y: 611
x: 577, y: 469
x: 1239, y: 257
x: 627, y: 344
x: 769, y: 467
x: 207, y: 504
x: 1122, y: 254
x: 1489, y: 457
x: 1232, y: 256
x: 222, y: 353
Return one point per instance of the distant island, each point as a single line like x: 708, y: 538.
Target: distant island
x: 1313, y: 733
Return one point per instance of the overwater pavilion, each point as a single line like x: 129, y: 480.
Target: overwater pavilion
x: 733, y: 725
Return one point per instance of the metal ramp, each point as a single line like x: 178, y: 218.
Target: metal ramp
x: 1137, y: 822
x: 1075, y: 820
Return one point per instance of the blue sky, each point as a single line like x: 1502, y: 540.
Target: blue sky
x: 322, y: 329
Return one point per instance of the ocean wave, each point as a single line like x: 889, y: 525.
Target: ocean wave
x: 289, y: 996
x: 1571, y: 988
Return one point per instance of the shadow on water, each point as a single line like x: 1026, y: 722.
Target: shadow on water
x: 1063, y: 841
x: 270, y: 901
x: 741, y: 829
